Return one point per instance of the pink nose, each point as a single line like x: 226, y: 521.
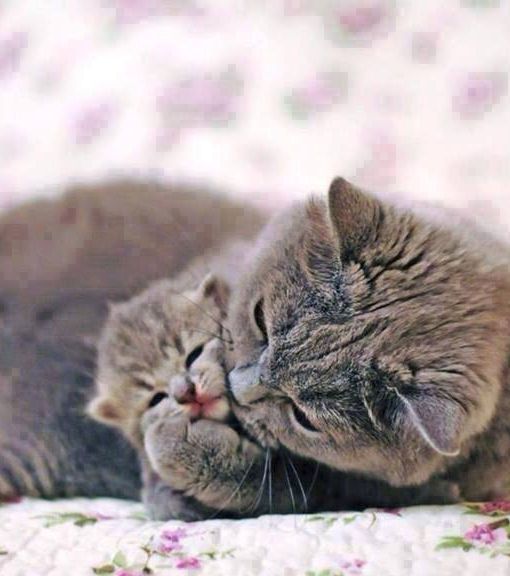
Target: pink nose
x: 184, y: 391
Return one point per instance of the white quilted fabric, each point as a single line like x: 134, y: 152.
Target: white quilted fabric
x: 81, y: 537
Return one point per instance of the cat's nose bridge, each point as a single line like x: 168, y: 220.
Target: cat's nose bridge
x: 246, y: 385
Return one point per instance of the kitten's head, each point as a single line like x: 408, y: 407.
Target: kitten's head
x: 367, y: 338
x: 162, y: 343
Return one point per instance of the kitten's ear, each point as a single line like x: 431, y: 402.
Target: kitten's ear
x: 355, y: 217
x: 438, y: 420
x: 103, y: 409
x: 215, y: 288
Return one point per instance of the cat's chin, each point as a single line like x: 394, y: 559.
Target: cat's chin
x: 256, y: 429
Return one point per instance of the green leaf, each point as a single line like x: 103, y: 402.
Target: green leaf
x: 3, y: 552
x: 120, y: 560
x: 315, y: 518
x: 106, y: 569
x: 349, y: 519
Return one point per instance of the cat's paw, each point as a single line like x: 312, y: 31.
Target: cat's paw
x: 187, y: 454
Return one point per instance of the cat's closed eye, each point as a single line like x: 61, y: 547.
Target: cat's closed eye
x: 301, y: 418
x: 193, y: 356
x: 260, y: 320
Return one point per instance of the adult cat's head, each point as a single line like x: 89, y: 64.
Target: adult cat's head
x: 368, y: 338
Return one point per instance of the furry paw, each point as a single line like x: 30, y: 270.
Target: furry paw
x: 187, y: 455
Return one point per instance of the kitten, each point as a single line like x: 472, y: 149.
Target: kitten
x: 166, y: 342
x: 61, y: 261
x: 375, y: 340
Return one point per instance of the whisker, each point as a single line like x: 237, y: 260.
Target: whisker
x: 289, y: 485
x: 235, y: 492
x: 314, y: 479
x: 303, y: 493
x: 260, y: 493
x: 213, y: 334
x: 197, y: 305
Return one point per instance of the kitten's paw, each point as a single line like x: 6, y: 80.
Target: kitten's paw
x: 183, y: 452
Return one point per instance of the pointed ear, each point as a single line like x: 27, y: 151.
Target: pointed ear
x: 438, y: 420
x: 355, y: 217
x: 103, y: 409
x: 215, y: 288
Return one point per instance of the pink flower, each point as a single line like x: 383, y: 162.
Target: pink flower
x: 478, y: 92
x: 484, y: 534
x: 173, y: 535
x: 200, y: 98
x: 11, y: 51
x: 91, y: 121
x: 193, y: 563
x: 496, y: 506
x: 353, y: 566
x: 169, y: 547
x: 362, y: 17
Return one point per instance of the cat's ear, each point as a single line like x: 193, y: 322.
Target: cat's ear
x: 103, y: 409
x: 438, y: 420
x: 355, y: 217
x: 214, y: 287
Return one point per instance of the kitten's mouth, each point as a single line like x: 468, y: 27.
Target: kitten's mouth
x: 216, y: 408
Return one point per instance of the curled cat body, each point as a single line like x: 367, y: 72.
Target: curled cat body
x: 375, y: 339
x: 61, y: 262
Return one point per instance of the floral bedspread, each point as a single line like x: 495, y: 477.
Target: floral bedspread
x: 85, y: 537
x: 267, y: 99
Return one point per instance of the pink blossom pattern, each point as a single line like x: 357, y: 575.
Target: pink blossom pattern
x: 353, y: 567
x: 484, y: 534
x: 317, y: 95
x: 479, y: 92
x: 11, y: 52
x: 91, y: 121
x: 201, y: 98
x: 193, y: 563
x: 362, y: 17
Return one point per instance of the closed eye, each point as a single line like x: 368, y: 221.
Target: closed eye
x: 193, y: 356
x: 302, y: 419
x: 157, y: 398
x: 140, y: 383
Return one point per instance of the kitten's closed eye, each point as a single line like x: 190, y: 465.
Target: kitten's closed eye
x: 157, y: 398
x: 193, y: 356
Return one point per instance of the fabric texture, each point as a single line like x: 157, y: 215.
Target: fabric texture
x: 83, y: 537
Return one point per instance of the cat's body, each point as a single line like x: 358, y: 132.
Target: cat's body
x: 378, y: 343
x: 61, y: 262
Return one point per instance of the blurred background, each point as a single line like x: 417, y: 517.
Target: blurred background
x: 265, y: 99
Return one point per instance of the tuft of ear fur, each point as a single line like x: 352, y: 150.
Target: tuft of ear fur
x: 215, y: 288
x: 103, y: 409
x: 438, y: 420
x: 355, y: 217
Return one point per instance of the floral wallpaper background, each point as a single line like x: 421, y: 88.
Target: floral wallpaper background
x: 267, y: 99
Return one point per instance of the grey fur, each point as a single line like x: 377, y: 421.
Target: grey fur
x: 387, y: 349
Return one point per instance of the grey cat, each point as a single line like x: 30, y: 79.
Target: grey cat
x: 61, y: 262
x: 376, y: 340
